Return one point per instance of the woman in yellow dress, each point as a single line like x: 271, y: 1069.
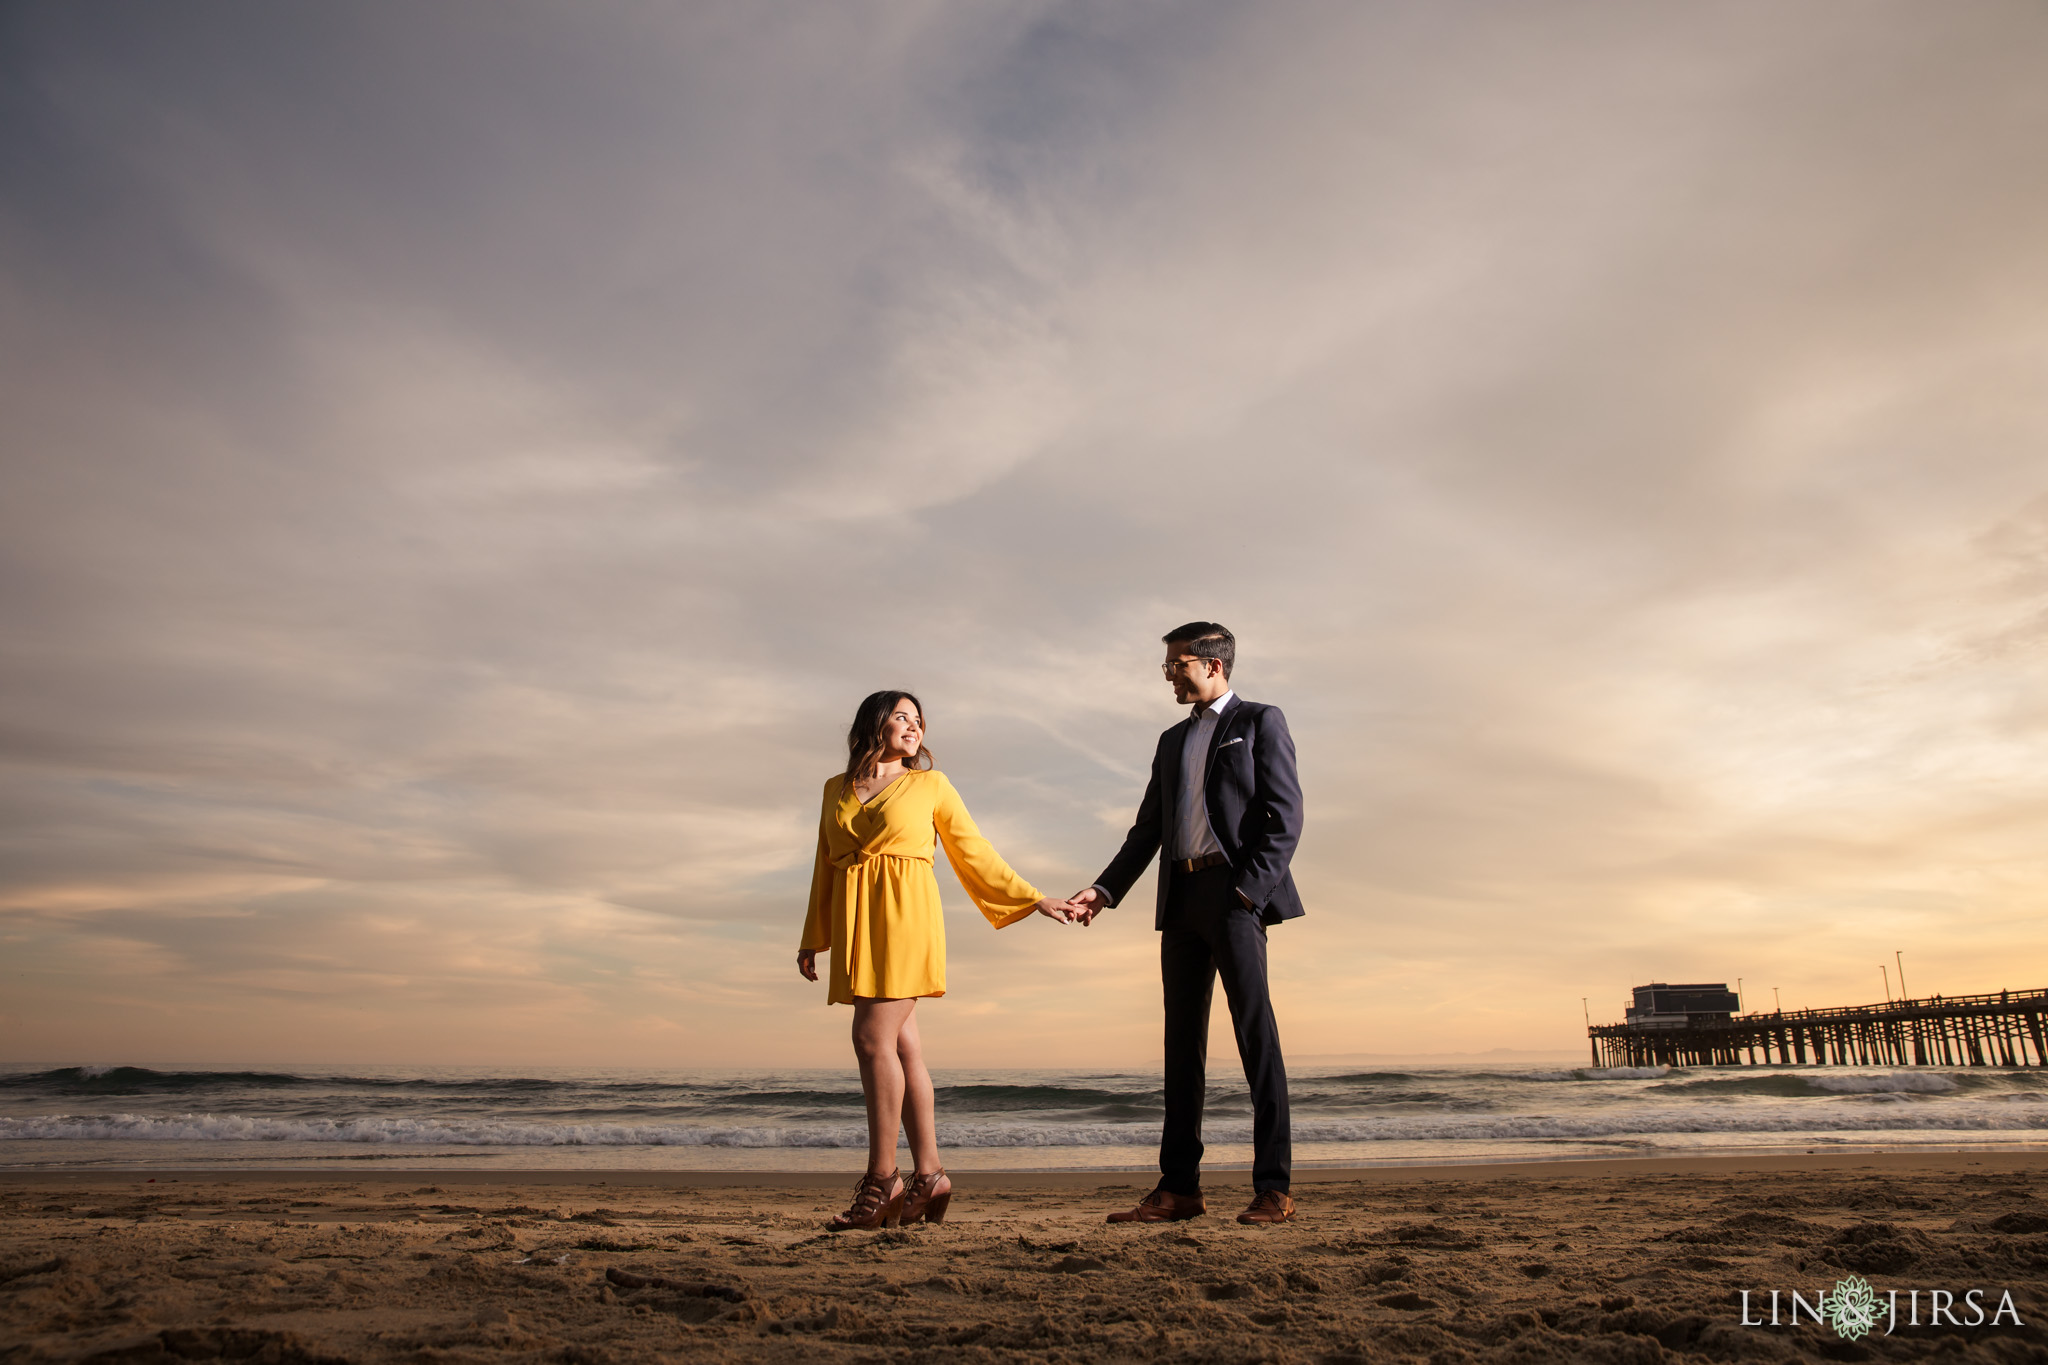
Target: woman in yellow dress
x: 875, y: 906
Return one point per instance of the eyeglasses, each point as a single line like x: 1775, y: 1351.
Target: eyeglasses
x: 1173, y: 666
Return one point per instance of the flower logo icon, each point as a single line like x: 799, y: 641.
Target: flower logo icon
x: 1851, y: 1307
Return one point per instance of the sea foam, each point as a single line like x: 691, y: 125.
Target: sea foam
x: 1403, y: 1128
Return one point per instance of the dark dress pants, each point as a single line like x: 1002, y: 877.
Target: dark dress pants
x: 1210, y: 933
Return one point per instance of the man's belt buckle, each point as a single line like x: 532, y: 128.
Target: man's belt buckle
x: 1197, y: 864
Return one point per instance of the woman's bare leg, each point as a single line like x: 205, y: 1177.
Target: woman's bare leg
x: 876, y: 1026
x: 917, y: 1097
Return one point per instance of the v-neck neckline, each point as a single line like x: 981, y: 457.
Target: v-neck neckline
x: 880, y: 791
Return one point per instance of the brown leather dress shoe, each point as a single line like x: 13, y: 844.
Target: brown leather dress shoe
x: 1163, y: 1206
x: 1268, y: 1206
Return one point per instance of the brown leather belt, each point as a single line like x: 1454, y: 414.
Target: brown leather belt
x: 1197, y: 864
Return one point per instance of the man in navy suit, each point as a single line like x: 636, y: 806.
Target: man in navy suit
x: 1223, y: 812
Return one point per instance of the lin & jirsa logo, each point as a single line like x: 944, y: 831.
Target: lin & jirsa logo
x: 1853, y: 1308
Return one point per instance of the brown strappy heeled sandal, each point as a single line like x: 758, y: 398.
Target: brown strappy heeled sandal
x: 874, y: 1206
x: 925, y: 1201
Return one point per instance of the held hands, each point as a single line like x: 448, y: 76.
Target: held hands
x: 1063, y: 911
x: 1087, y: 905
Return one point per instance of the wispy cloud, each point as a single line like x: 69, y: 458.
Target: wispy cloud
x: 462, y: 469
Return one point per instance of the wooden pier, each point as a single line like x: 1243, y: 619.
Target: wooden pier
x: 2004, y: 1029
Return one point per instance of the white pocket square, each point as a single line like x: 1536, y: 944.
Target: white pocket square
x: 1228, y: 742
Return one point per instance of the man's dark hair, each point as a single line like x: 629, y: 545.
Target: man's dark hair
x: 1205, y: 640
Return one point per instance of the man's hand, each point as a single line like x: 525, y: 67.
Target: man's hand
x: 1062, y: 911
x: 807, y: 963
x: 1087, y: 905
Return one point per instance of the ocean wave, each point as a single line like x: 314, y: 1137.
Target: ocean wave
x: 1893, y: 1083
x: 1622, y: 1073
x: 74, y: 1081
x: 1107, y: 1097
x: 114, y: 1080
x: 415, y: 1132
x: 1592, y: 1073
x: 1405, y: 1128
x: 141, y: 1080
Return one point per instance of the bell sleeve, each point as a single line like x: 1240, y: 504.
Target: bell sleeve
x: 818, y: 921
x: 1000, y: 894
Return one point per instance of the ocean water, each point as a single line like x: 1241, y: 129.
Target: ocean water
x: 304, y: 1117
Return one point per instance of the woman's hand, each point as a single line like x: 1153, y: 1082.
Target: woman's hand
x: 1063, y: 911
x: 807, y: 963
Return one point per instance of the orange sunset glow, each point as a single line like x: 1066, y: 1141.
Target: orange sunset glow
x: 456, y: 491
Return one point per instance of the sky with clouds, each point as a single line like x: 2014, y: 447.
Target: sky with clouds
x: 464, y: 463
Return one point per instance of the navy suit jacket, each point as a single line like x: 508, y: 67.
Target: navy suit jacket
x: 1254, y: 798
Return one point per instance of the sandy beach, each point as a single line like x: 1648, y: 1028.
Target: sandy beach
x: 1585, y: 1261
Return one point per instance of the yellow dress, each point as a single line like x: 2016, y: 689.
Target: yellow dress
x: 874, y: 900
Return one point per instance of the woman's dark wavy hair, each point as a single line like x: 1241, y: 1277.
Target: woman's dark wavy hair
x: 864, y: 737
